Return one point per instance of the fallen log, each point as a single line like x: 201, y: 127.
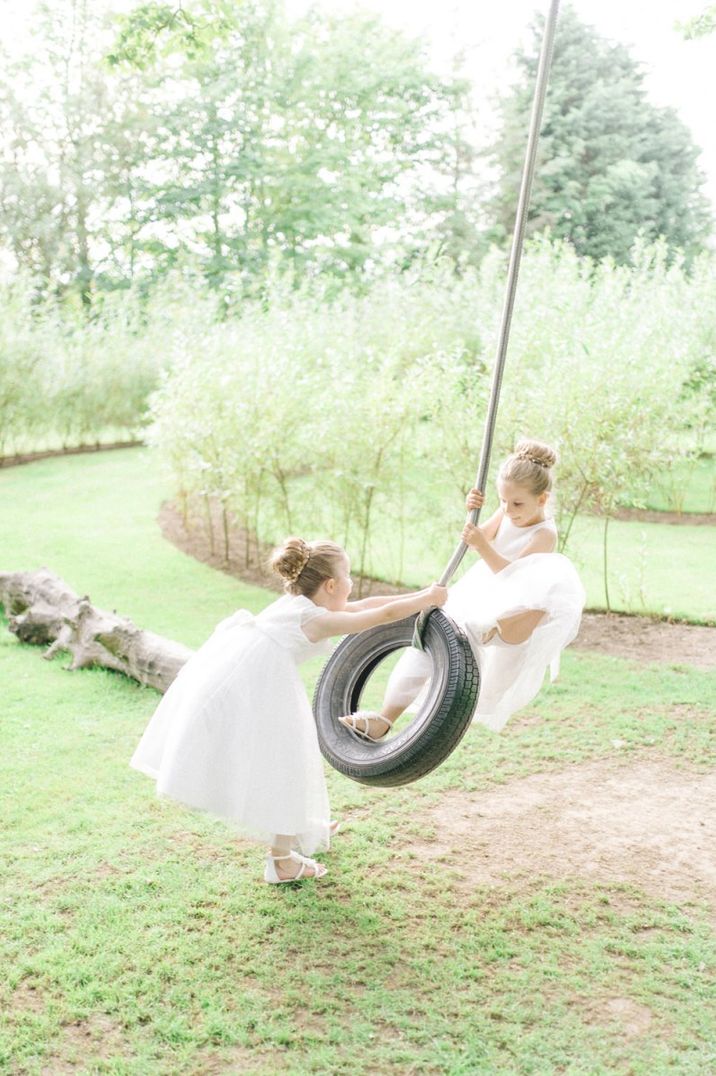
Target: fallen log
x: 42, y: 609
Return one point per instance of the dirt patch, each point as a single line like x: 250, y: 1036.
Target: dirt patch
x: 648, y: 824
x: 677, y: 519
x: 28, y: 998
x: 199, y: 531
x: 640, y: 638
x: 624, y: 1015
x: 78, y: 450
x: 97, y: 1037
x: 240, y: 1059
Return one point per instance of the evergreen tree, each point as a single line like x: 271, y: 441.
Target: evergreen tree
x: 611, y: 165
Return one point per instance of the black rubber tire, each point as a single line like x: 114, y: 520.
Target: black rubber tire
x: 433, y: 733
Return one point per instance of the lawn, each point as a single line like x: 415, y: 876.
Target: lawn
x: 138, y: 939
x: 95, y: 509
x: 689, y: 486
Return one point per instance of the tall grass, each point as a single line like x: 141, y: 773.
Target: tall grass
x: 321, y: 412
x: 67, y: 380
x: 322, y: 415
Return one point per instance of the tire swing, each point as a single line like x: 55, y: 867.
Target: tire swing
x: 452, y: 692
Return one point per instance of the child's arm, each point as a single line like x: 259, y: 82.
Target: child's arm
x: 544, y: 541
x: 373, y: 602
x: 397, y: 608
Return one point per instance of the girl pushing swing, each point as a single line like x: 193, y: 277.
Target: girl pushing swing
x: 234, y: 735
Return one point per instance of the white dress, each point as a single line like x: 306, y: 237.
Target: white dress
x: 510, y: 676
x: 234, y: 735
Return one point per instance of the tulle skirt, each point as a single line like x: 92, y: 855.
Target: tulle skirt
x: 235, y: 736
x: 510, y: 676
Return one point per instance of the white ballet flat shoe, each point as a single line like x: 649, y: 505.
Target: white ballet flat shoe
x: 271, y: 874
x: 349, y: 720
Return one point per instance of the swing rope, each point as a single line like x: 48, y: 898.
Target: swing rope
x: 518, y: 237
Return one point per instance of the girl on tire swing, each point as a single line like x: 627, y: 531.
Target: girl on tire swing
x: 519, y: 606
x: 234, y: 735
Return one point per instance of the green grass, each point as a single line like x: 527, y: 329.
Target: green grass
x: 136, y: 937
x: 658, y: 568
x: 91, y: 519
x: 689, y: 486
x: 96, y: 509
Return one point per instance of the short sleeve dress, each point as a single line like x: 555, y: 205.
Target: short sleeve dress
x: 234, y: 735
x: 510, y: 676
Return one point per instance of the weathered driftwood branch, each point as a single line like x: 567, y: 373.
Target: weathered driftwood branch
x: 41, y: 609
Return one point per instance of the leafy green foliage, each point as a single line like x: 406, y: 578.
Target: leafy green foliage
x: 700, y: 25
x: 66, y: 380
x: 223, y: 136
x: 360, y: 415
x: 275, y: 139
x: 154, y: 31
x: 74, y: 144
x: 612, y: 167
x: 323, y: 415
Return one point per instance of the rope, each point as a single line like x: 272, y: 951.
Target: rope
x: 518, y: 236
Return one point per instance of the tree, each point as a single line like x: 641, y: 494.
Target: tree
x: 449, y: 216
x: 70, y: 156
x: 301, y: 140
x: 612, y: 166
x: 700, y: 25
x: 221, y: 134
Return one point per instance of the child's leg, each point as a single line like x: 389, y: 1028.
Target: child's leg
x: 288, y: 863
x: 518, y: 628
x: 406, y: 682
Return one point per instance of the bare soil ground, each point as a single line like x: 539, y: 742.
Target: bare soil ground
x: 19, y: 458
x: 640, y: 822
x: 200, y: 532
x: 639, y: 638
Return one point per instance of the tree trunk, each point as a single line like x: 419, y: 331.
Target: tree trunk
x: 605, y: 562
x: 41, y: 609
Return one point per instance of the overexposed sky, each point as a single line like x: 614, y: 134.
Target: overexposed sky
x: 679, y: 73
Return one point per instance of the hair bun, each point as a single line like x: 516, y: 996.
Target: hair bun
x: 291, y: 558
x: 536, y: 452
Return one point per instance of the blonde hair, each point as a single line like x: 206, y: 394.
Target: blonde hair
x: 303, y: 566
x: 530, y: 465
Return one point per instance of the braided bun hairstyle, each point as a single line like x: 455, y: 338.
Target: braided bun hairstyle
x: 303, y: 566
x: 530, y: 465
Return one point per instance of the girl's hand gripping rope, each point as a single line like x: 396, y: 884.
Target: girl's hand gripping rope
x: 474, y: 500
x: 436, y: 596
x: 471, y: 536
